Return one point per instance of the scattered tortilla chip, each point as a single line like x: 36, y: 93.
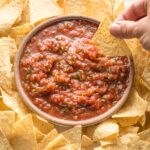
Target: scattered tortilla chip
x: 130, y: 129
x: 47, y: 139
x: 41, y: 10
x: 105, y: 143
x: 127, y: 121
x: 76, y: 7
x: 86, y: 141
x: 7, y: 119
x: 134, y: 108
x: 39, y: 135
x: 13, y: 83
x: 70, y: 147
x: 145, y: 135
x: 95, y: 5
x: 9, y: 14
x: 25, y: 16
x: 43, y: 125
x: 3, y: 107
x: 3, y: 2
x: 146, y: 74
x: 5, y: 68
x: 59, y: 141
x: 12, y: 46
x: 4, y: 143
x: 23, y: 137
x: 70, y: 134
x: 107, y: 130
x: 15, y: 102
x: 86, y: 8
x: 19, y: 32
x: 107, y: 43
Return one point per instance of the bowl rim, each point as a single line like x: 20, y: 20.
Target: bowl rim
x: 50, y: 118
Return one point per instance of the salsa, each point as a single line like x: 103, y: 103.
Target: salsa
x: 66, y: 76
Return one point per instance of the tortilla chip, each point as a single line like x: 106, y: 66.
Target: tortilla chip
x: 7, y: 119
x: 130, y: 129
x: 105, y: 143
x: 86, y: 141
x: 43, y: 125
x: 25, y: 16
x: 5, y: 68
x: 19, y: 32
x: 39, y: 135
x: 9, y: 14
x: 3, y: 107
x: 107, y: 130
x: 12, y: 46
x: 70, y: 134
x: 76, y: 7
x: 41, y: 10
x: 15, y: 102
x: 4, y: 143
x: 70, y: 147
x: 59, y: 141
x: 3, y: 2
x: 145, y: 135
x: 118, y: 9
x: 134, y: 108
x: 146, y: 74
x: 90, y: 130
x: 23, y: 137
x: 47, y: 139
x: 97, y: 9
x: 107, y: 43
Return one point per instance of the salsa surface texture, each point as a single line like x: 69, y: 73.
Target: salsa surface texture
x: 66, y: 76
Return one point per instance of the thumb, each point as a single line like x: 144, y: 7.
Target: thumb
x: 125, y: 29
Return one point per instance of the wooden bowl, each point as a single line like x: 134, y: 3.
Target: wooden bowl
x: 51, y: 118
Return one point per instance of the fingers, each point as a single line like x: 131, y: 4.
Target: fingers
x: 135, y: 11
x: 129, y: 29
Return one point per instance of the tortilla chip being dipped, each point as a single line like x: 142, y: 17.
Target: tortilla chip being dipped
x: 107, y: 43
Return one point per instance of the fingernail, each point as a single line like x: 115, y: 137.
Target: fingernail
x: 115, y: 29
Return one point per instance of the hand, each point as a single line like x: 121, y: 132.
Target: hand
x: 134, y: 22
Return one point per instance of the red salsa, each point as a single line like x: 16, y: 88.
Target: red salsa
x: 66, y: 76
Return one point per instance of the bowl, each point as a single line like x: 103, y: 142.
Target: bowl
x: 51, y: 118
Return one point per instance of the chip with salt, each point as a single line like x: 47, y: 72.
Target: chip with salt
x: 107, y: 130
x: 9, y: 14
x: 23, y: 136
x: 7, y: 119
x: 47, y: 139
x: 4, y: 143
x: 107, y: 43
x: 41, y: 10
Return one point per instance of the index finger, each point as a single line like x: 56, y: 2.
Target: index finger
x: 135, y: 11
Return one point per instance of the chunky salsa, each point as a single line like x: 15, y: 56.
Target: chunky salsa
x: 66, y: 76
